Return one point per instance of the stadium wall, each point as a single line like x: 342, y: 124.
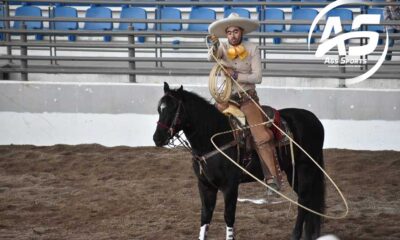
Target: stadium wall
x: 114, y: 114
x: 119, y: 98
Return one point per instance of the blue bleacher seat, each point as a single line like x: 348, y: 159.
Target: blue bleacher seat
x: 29, y: 11
x: 253, y: 5
x: 201, y: 13
x: 241, y: 11
x: 344, y: 14
x: 66, y: 12
x: 376, y: 28
x: 304, y: 14
x: 274, y: 14
x: 99, y: 12
x: 1, y: 23
x: 137, y: 13
x: 1, y: 14
x: 170, y: 13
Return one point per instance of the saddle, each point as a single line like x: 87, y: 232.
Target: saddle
x: 243, y: 135
x: 238, y: 120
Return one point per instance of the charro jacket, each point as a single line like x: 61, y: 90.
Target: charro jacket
x: 249, y: 69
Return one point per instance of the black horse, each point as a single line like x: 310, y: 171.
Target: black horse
x: 199, y: 120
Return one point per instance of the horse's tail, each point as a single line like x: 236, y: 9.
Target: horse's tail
x: 315, y: 197
x: 319, y: 184
x: 316, y: 200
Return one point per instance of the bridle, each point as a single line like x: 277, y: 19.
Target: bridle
x: 172, y: 129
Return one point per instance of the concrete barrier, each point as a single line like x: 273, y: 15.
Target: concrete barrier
x: 116, y: 98
x: 112, y: 114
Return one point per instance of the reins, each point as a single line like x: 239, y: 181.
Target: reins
x: 270, y: 121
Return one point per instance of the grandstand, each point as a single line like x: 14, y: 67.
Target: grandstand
x: 167, y: 39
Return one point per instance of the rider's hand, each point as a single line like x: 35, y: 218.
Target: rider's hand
x: 231, y: 73
x: 215, y: 41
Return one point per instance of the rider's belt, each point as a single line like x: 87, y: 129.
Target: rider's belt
x: 242, y: 98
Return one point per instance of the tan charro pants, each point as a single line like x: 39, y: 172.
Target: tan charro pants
x: 262, y: 136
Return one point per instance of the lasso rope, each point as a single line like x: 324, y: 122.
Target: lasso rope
x: 216, y: 91
x: 210, y: 51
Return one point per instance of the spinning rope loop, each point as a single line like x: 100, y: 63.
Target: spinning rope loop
x: 216, y: 94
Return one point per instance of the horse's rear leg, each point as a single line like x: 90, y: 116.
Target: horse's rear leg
x: 208, y: 195
x: 312, y: 226
x: 311, y: 222
x: 298, y: 227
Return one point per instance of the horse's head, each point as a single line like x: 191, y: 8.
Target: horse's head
x: 170, y: 110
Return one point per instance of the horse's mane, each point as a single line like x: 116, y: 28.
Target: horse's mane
x: 205, y: 111
x: 205, y: 116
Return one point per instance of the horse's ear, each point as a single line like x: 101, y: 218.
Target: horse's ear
x: 180, y: 91
x: 166, y: 87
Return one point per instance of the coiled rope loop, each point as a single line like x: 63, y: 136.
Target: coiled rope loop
x: 220, y: 95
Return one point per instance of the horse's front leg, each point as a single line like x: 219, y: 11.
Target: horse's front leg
x: 230, y: 198
x: 208, y: 195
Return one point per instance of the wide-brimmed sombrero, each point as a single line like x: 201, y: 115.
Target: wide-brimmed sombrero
x: 233, y: 20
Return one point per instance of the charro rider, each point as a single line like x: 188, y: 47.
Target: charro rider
x: 243, y: 63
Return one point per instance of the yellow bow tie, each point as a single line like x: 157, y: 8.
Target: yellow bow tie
x: 237, y: 51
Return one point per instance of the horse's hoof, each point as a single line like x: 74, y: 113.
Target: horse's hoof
x: 295, y: 237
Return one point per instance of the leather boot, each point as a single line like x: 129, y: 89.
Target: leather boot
x: 263, y: 139
x: 270, y: 166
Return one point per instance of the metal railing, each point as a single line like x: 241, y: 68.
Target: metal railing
x: 189, y: 52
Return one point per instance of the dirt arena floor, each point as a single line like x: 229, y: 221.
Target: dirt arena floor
x: 94, y: 192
